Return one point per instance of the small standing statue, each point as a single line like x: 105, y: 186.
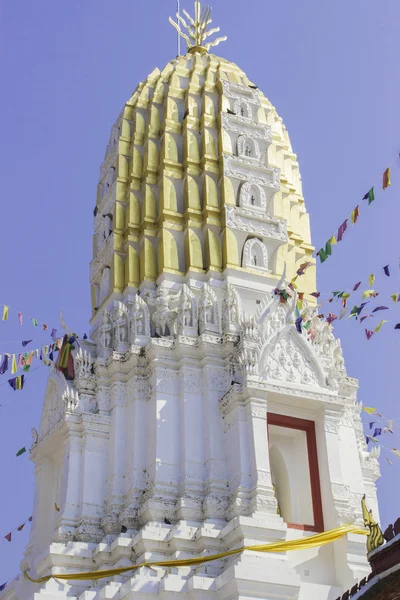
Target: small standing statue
x: 375, y: 536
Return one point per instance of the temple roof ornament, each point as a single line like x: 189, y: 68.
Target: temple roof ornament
x: 197, y: 29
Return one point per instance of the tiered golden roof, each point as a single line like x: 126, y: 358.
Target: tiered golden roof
x: 164, y: 185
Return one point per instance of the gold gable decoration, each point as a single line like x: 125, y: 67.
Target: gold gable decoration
x: 197, y: 28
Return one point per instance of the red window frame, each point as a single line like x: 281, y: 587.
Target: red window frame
x: 309, y: 428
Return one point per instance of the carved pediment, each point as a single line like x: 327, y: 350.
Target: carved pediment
x: 288, y: 357
x: 284, y: 353
x: 59, y: 398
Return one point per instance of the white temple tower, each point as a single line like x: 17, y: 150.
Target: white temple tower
x: 199, y: 419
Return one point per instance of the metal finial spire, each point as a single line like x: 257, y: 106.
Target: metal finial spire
x: 197, y: 29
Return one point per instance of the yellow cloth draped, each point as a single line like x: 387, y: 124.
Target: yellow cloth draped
x: 327, y: 537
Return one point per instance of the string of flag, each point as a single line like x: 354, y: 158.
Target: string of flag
x: 302, y: 318
x: 21, y: 318
x: 9, y: 535
x: 62, y: 345
x: 376, y: 430
x: 324, y: 252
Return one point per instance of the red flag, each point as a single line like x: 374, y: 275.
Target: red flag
x: 20, y: 318
x: 369, y: 334
x: 20, y: 528
x: 8, y: 537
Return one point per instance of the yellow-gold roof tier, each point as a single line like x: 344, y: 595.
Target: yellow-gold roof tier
x: 198, y: 161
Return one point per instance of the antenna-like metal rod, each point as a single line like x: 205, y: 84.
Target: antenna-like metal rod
x: 178, y: 9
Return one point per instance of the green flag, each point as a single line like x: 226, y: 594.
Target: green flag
x: 22, y: 451
x: 322, y: 255
x: 370, y: 196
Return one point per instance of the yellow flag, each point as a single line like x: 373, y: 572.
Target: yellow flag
x: 346, y: 296
x: 394, y: 298
x: 368, y: 293
x: 332, y: 240
x: 378, y: 327
x: 5, y: 313
x: 13, y: 364
x: 371, y: 280
x: 294, y: 284
x: 368, y: 410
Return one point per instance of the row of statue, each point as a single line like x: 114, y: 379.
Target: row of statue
x: 167, y: 313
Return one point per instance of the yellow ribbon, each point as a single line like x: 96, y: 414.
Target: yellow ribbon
x: 300, y: 544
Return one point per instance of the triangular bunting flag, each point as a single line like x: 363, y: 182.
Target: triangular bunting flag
x: 378, y: 327
x: 386, y: 271
x: 380, y: 308
x: 20, y: 452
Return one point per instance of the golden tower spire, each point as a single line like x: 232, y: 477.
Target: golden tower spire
x: 197, y: 28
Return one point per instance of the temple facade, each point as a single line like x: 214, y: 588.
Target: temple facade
x: 199, y: 419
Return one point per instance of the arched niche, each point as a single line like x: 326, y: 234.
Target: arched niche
x: 252, y: 196
x: 248, y: 148
x: 243, y: 109
x: 255, y: 255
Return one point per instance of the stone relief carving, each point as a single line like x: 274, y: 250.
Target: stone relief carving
x: 249, y: 328
x: 255, y: 255
x: 120, y: 319
x: 236, y: 90
x: 267, y: 227
x: 286, y: 361
x: 248, y: 359
x: 242, y: 169
x: 60, y: 398
x: 106, y: 334
x: 218, y: 380
x: 167, y: 381
x: 208, y: 310
x: 191, y: 381
x: 245, y: 127
x: 231, y: 311
x: 187, y: 312
x: 140, y: 320
x: 85, y: 380
x: 165, y: 315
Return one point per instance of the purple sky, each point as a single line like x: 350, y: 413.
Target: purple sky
x: 331, y: 70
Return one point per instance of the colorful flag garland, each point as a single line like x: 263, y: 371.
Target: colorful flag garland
x: 326, y: 251
x: 8, y: 537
